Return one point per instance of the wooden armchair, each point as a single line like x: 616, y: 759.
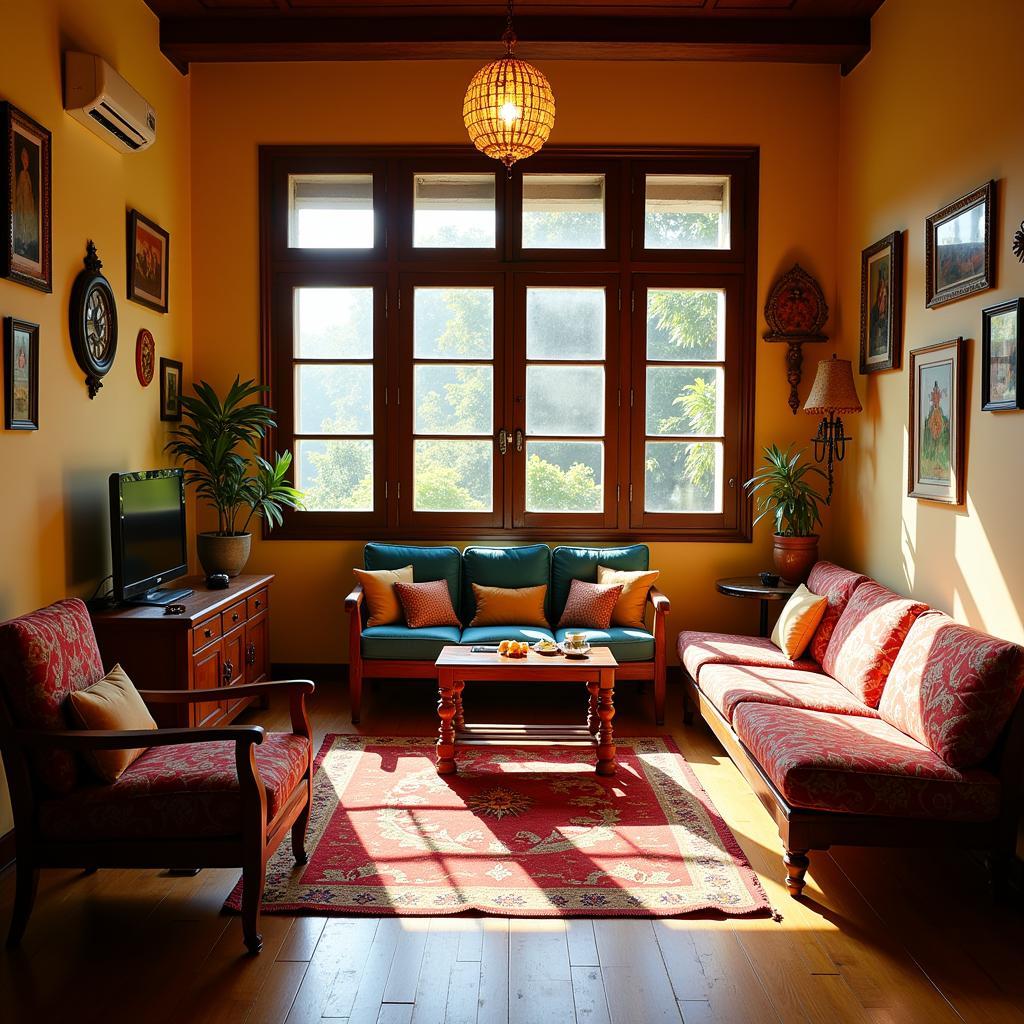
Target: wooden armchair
x: 222, y: 797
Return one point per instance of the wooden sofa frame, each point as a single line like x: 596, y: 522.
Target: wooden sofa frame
x: 381, y: 668
x: 803, y: 830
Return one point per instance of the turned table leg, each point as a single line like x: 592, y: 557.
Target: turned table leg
x: 459, y: 720
x: 797, y: 862
x: 446, y: 733
x: 593, y: 722
x: 606, y: 763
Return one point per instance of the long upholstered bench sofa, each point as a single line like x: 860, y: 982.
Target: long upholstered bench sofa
x: 399, y: 652
x: 898, y: 726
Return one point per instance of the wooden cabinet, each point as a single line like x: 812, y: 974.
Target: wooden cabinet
x: 221, y: 639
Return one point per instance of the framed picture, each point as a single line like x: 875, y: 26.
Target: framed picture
x: 1000, y: 359
x: 21, y: 374
x: 26, y: 251
x: 937, y: 412
x: 170, y: 390
x: 881, y: 304
x: 958, y: 247
x: 148, y: 262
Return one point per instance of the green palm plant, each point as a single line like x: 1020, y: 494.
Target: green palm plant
x: 781, y: 489
x: 219, y: 443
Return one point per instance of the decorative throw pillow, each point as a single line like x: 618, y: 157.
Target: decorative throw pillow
x: 111, y: 703
x: 798, y: 621
x: 427, y: 604
x: 590, y: 605
x: 499, y: 606
x: 379, y: 590
x: 632, y: 602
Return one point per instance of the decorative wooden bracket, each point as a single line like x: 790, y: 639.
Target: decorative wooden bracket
x: 794, y: 363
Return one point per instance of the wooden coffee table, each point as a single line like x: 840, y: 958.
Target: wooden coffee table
x: 457, y: 666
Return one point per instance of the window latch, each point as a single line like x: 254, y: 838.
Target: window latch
x: 502, y: 441
x: 519, y: 440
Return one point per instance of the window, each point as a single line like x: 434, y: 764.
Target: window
x: 562, y: 353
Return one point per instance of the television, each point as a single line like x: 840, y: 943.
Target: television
x: 147, y: 535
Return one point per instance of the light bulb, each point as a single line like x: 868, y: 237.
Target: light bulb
x: 509, y: 113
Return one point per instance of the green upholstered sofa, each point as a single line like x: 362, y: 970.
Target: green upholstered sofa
x: 398, y: 652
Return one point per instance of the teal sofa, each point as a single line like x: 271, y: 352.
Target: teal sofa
x: 398, y: 652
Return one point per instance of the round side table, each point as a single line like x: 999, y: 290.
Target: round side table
x: 752, y: 587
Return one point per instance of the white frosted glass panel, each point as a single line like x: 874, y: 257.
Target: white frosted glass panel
x: 330, y: 211
x: 564, y: 401
x: 565, y: 323
x: 334, y: 323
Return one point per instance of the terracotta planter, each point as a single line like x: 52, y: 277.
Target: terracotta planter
x: 794, y: 556
x: 223, y: 554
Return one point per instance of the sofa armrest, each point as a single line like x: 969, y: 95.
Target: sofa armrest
x: 354, y: 599
x: 129, y: 739
x: 662, y: 605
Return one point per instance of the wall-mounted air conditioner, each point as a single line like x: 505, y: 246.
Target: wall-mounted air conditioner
x: 96, y: 95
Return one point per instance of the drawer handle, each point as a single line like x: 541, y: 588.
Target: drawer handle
x: 234, y: 618
x: 207, y: 632
x: 257, y: 602
x: 250, y: 654
x: 229, y: 671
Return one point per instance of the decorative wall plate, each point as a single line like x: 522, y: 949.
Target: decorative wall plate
x: 93, y: 320
x: 145, y: 357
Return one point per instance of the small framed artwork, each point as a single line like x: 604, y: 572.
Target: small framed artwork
x: 21, y: 374
x: 25, y: 255
x: 958, y: 247
x: 148, y: 262
x: 170, y: 390
x: 1000, y: 358
x: 881, y: 304
x: 938, y: 377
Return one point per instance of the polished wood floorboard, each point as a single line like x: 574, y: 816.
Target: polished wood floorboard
x: 883, y: 937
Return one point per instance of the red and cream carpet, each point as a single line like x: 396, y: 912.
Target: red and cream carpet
x: 528, y: 831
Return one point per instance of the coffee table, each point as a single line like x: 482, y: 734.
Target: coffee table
x: 457, y: 666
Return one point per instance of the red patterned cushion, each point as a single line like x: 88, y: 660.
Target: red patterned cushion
x: 427, y: 604
x: 867, y: 638
x: 43, y: 657
x: 860, y: 766
x: 180, y: 791
x: 699, y: 649
x: 838, y: 585
x: 590, y: 605
x: 953, y: 688
x: 728, y: 686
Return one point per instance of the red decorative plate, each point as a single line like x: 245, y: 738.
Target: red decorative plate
x: 145, y: 357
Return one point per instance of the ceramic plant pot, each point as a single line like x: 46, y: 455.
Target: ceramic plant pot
x: 223, y: 554
x: 794, y: 556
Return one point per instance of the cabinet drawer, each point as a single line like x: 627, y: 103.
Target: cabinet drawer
x: 206, y: 632
x: 233, y: 617
x: 258, y: 602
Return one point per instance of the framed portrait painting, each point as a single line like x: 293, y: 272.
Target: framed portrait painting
x: 26, y: 252
x: 170, y: 390
x: 148, y: 265
x: 1000, y: 356
x: 21, y: 374
x: 938, y: 378
x: 881, y: 304
x: 958, y: 247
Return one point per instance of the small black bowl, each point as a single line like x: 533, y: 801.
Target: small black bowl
x: 769, y: 579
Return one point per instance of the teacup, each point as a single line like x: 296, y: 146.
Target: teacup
x: 575, y: 640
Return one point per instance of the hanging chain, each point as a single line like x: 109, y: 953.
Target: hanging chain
x: 509, y: 35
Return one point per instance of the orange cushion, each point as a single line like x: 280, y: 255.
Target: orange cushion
x: 590, y: 605
x: 798, y: 621
x: 501, y: 606
x: 427, y: 604
x: 379, y: 590
x: 632, y: 602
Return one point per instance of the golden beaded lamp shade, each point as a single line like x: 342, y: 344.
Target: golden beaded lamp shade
x: 509, y: 107
x: 833, y: 389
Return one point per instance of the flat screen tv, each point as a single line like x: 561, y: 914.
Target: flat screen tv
x: 147, y: 535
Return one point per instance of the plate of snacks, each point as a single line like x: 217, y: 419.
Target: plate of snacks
x: 546, y: 647
x: 513, y: 648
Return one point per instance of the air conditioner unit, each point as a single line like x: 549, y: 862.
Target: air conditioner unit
x: 96, y: 95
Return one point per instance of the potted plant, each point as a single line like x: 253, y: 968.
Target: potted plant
x: 219, y: 443
x: 782, y: 489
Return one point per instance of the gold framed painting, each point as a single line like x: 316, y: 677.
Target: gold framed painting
x: 958, y: 248
x: 21, y: 374
x: 25, y: 255
x: 881, y: 304
x: 148, y: 262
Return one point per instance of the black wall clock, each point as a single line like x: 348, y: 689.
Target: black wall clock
x: 93, y: 319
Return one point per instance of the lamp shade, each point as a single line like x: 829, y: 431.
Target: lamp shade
x: 833, y: 389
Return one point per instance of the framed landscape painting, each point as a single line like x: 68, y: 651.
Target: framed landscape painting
x: 938, y: 376
x: 21, y: 374
x: 881, y: 304
x: 958, y: 247
x: 26, y: 252
x: 1000, y: 356
x: 148, y: 269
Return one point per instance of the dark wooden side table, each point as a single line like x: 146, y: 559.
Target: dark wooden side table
x: 752, y: 587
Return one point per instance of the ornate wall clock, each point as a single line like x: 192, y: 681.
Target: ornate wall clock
x: 93, y: 319
x: 145, y: 357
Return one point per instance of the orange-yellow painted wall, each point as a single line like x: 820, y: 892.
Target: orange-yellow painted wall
x: 790, y: 111
x: 54, y: 540
x: 931, y: 113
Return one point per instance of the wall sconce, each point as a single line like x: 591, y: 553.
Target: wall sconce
x: 832, y: 394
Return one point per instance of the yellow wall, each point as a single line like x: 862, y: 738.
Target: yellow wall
x: 55, y: 537
x: 790, y: 111
x: 929, y: 115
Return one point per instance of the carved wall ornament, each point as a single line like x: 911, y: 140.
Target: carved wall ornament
x: 1018, y: 242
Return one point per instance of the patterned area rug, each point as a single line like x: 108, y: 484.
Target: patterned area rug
x: 529, y: 831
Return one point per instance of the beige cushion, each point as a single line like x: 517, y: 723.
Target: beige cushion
x: 112, y: 703
x: 798, y: 621
x: 632, y: 603
x: 379, y: 591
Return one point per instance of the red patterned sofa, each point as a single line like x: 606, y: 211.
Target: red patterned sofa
x: 899, y: 727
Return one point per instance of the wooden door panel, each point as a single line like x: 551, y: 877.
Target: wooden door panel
x: 257, y: 645
x: 209, y: 670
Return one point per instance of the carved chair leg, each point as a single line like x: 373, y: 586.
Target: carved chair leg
x: 26, y: 885
x: 659, y: 699
x: 253, y: 878
x: 797, y: 862
x: 301, y: 823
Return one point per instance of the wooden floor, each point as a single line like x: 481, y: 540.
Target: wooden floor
x: 882, y: 937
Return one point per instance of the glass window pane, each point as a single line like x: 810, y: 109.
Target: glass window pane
x: 686, y: 211
x: 451, y: 399
x: 563, y: 211
x: 683, y: 476
x: 453, y: 323
x: 565, y: 323
x: 454, y: 211
x: 684, y: 400
x: 334, y: 323
x: 334, y: 399
x: 335, y: 476
x: 565, y: 401
x: 330, y: 211
x: 685, y: 324
x: 452, y: 476
x: 564, y: 476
